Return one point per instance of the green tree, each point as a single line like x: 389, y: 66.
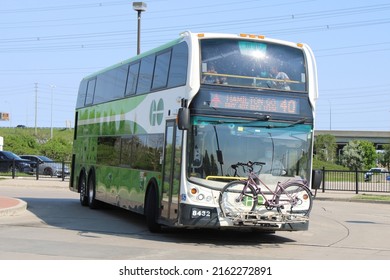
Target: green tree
x: 325, y: 147
x: 57, y: 149
x: 352, y: 156
x: 384, y: 158
x: 369, y: 154
x: 21, y: 144
x: 359, y: 154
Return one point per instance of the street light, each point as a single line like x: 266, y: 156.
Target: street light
x: 330, y: 115
x: 139, y: 7
x: 51, y: 111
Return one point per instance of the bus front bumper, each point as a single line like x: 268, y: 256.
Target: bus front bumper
x: 208, y: 217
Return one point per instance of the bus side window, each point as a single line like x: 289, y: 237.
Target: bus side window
x: 111, y: 85
x: 179, y: 63
x: 160, y: 77
x: 132, y: 78
x: 90, y: 92
x: 82, y: 94
x: 146, y: 74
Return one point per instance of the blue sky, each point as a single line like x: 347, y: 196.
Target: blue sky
x: 47, y: 47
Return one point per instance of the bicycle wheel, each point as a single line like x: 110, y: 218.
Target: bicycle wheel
x: 295, y: 198
x: 233, y: 201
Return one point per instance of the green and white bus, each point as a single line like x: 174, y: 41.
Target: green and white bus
x: 157, y: 134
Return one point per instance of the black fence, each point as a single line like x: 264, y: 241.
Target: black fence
x: 332, y: 180
x: 356, y: 181
x: 15, y: 168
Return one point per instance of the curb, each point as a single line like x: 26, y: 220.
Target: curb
x: 11, y: 206
x: 352, y: 200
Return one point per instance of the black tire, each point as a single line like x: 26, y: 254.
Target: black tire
x: 83, y: 190
x: 296, y: 199
x: 92, y: 202
x: 48, y: 171
x: 152, y: 210
x: 228, y: 199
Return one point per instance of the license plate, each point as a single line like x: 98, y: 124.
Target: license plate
x: 200, y: 213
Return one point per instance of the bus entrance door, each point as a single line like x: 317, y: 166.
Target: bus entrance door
x: 171, y: 172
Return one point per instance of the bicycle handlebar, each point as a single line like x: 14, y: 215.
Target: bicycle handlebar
x: 249, y: 164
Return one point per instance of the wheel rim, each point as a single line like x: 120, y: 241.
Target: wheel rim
x: 299, y: 202
x: 91, y: 192
x: 82, y: 189
x: 231, y: 205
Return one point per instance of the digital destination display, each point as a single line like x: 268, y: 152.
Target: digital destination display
x: 274, y: 104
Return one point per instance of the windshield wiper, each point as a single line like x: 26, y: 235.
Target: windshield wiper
x: 262, y: 117
x: 300, y: 121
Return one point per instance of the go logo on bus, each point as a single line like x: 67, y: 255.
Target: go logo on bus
x: 156, y: 112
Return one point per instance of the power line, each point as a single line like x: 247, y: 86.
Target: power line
x: 63, y: 7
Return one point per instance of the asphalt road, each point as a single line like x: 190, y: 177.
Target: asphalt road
x: 56, y: 226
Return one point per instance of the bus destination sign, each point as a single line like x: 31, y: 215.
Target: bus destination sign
x: 272, y: 104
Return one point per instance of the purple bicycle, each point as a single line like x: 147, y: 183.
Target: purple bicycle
x: 291, y: 198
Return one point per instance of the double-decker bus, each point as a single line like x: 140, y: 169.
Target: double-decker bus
x: 157, y: 134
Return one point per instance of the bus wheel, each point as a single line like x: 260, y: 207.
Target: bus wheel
x: 92, y: 202
x: 151, y: 210
x: 83, y: 190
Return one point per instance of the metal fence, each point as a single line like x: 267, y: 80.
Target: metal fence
x: 356, y: 181
x: 59, y: 169
x: 332, y: 180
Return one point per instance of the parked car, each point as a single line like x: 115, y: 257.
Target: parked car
x: 47, y: 166
x: 22, y: 165
x: 372, y: 171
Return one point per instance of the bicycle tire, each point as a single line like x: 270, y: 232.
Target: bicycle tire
x: 303, y: 201
x: 228, y: 203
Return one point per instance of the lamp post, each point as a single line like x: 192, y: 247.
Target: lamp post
x: 139, y: 7
x: 330, y: 115
x: 36, y: 107
x: 51, y: 112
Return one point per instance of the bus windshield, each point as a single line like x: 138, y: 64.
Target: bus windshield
x: 215, y: 145
x: 245, y: 63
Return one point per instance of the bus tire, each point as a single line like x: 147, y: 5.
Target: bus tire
x: 83, y: 189
x: 92, y: 202
x: 151, y: 210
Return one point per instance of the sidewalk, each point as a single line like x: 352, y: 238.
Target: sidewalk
x: 10, y: 206
x: 348, y: 196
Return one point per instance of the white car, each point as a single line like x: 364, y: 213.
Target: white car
x: 47, y: 166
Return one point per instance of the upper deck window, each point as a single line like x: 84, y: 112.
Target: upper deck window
x: 245, y: 63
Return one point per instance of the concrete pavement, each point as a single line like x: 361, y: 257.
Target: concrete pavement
x: 12, y: 206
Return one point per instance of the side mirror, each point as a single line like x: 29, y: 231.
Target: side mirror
x: 183, y: 119
x: 316, y: 179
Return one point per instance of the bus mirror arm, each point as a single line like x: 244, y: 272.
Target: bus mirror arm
x: 183, y: 119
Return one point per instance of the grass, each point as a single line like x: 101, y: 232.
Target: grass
x: 372, y: 197
x: 42, y: 133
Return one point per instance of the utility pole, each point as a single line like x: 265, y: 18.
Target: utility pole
x: 51, y: 112
x: 36, y: 107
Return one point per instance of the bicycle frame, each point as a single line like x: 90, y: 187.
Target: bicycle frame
x: 269, y: 203
x: 239, y: 200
